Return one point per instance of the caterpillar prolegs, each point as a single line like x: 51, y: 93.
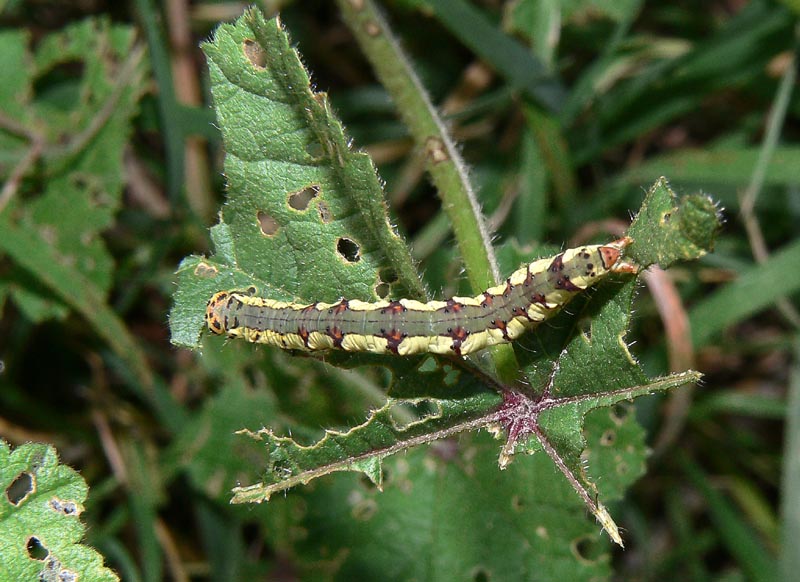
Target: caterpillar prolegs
x: 460, y: 325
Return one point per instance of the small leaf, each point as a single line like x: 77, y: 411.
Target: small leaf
x: 40, y: 527
x: 666, y: 231
x: 361, y: 448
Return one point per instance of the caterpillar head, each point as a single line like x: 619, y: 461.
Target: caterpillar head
x: 611, y: 255
x: 214, y: 319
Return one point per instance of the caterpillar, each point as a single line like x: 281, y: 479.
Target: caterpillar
x: 460, y: 325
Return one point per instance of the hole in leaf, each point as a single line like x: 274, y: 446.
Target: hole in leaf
x: 65, y: 507
x: 53, y: 571
x: 35, y: 549
x: 429, y: 365
x: 299, y: 200
x: 93, y: 189
x: 382, y: 290
x: 2, y: 366
x: 348, y: 249
x: 608, y: 438
x: 481, y: 574
x: 365, y: 509
x: 585, y: 327
x: 60, y: 87
x: 325, y: 214
x: 315, y: 150
x: 205, y: 271
x: 20, y: 488
x: 254, y: 53
x: 367, y: 483
x: 267, y: 224
x: 281, y: 469
x: 451, y: 376
x: 619, y: 412
x: 588, y: 549
x: 388, y: 275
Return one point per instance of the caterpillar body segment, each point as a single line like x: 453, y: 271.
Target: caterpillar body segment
x: 459, y: 325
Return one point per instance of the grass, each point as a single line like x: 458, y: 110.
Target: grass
x: 562, y: 118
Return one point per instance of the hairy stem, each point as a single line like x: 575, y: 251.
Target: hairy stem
x: 442, y: 160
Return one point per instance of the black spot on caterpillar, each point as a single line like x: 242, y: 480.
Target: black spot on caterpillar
x: 460, y: 325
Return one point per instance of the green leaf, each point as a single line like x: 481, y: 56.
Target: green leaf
x: 40, y: 527
x: 719, y: 166
x: 363, y: 447
x: 305, y: 217
x: 73, y: 132
x: 446, y: 513
x: 78, y: 127
x: 665, y: 232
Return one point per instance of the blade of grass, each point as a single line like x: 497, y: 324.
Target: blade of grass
x: 557, y: 159
x: 775, y: 121
x: 510, y: 58
x: 81, y: 295
x: 159, y: 59
x: 735, y: 533
x: 143, y: 502
x: 752, y: 292
x: 531, y: 207
x: 790, y: 486
x: 732, y: 167
x: 752, y: 405
x: 689, y: 549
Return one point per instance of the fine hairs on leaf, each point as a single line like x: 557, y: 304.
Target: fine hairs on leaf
x: 281, y: 140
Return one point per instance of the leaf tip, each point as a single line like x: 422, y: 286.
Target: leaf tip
x: 608, y: 524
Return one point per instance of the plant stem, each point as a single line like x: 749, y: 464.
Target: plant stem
x: 442, y: 160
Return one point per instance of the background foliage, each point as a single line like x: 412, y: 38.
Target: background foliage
x: 565, y: 110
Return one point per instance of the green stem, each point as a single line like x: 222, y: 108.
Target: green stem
x: 442, y: 160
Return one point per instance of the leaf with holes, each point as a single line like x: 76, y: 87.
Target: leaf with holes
x: 40, y: 526
x: 72, y: 101
x: 305, y: 217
